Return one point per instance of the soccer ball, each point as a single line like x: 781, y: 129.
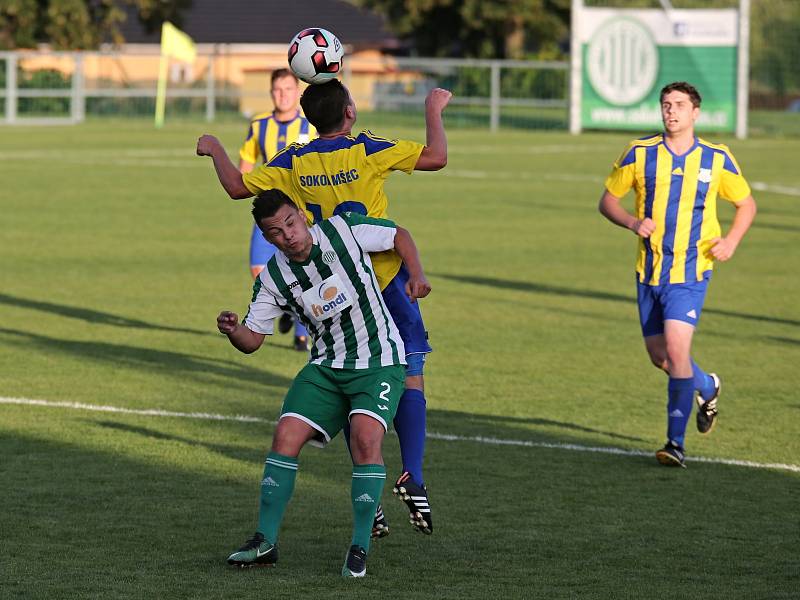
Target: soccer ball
x: 315, y: 55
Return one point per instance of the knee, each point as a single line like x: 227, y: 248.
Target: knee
x: 365, y: 445
x: 658, y: 357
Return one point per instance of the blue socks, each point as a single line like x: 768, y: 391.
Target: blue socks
x: 409, y: 423
x: 679, y: 407
x: 703, y: 382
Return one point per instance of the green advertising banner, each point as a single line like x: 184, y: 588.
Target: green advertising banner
x: 629, y: 55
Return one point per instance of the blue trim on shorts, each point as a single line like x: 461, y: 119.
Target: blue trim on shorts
x: 415, y: 363
x: 674, y: 301
x: 406, y: 315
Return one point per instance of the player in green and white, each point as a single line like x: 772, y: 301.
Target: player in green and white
x: 324, y: 276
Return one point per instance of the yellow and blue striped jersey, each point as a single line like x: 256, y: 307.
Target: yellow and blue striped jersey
x: 267, y: 136
x: 679, y: 193
x: 327, y: 177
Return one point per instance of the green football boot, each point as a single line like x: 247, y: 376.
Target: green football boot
x: 256, y: 552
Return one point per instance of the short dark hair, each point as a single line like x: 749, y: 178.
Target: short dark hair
x: 280, y: 74
x: 324, y: 105
x: 269, y: 202
x: 682, y: 86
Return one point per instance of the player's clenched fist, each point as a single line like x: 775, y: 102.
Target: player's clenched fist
x: 437, y: 99
x: 644, y: 227
x: 227, y: 321
x: 417, y: 287
x: 206, y: 145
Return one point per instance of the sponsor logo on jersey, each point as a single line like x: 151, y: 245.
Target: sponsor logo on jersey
x: 339, y: 178
x: 327, y: 299
x: 335, y: 299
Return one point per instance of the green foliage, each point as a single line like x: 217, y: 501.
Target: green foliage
x: 47, y: 79
x: 78, y: 24
x: 18, y: 23
x: 475, y: 28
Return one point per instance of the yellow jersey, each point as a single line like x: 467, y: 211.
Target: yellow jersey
x: 327, y: 177
x: 267, y: 136
x: 679, y: 193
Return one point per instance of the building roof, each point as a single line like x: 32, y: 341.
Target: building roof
x: 269, y: 22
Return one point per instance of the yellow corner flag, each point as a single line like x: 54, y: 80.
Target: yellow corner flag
x: 174, y: 44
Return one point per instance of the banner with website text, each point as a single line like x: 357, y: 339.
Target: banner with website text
x: 629, y: 55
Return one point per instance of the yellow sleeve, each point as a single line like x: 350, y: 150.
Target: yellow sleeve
x: 394, y: 155
x: 620, y: 180
x: 249, y: 150
x: 265, y: 177
x: 733, y: 187
x: 623, y: 173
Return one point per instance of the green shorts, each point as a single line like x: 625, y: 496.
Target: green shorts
x: 325, y: 398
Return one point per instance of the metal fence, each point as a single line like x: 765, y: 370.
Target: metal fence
x: 69, y: 87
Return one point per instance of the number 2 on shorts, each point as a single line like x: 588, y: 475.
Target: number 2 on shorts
x: 382, y: 395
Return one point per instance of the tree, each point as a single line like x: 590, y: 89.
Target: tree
x: 79, y: 24
x: 476, y: 28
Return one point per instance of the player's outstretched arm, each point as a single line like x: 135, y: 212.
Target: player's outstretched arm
x: 229, y: 176
x: 417, y: 285
x: 723, y: 248
x: 241, y: 338
x: 612, y: 210
x: 434, y: 155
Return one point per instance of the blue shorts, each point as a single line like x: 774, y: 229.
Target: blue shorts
x: 408, y: 319
x: 677, y: 301
x: 260, y: 249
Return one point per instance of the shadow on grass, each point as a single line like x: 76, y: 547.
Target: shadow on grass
x: 469, y: 422
x: 92, y: 316
x: 148, y: 359
x: 552, y: 290
x: 243, y: 453
x: 160, y: 518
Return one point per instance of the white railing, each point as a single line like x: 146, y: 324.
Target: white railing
x: 207, y: 87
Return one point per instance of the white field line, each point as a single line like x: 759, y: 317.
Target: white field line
x: 153, y: 412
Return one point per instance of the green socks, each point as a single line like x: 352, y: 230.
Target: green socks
x: 276, y: 491
x: 366, y: 491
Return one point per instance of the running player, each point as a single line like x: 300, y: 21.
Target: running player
x: 323, y: 275
x: 677, y: 178
x: 268, y: 134
x: 338, y: 172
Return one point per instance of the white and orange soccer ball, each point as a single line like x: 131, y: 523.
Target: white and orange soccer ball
x: 315, y: 55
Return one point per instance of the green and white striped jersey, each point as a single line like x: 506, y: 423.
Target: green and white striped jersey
x: 335, y: 295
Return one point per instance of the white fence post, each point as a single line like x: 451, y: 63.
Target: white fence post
x: 494, y: 98
x: 743, y: 70
x: 78, y: 97
x: 576, y: 69
x: 11, y: 88
x: 211, y: 99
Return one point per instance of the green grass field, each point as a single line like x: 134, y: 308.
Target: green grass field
x: 118, y: 250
